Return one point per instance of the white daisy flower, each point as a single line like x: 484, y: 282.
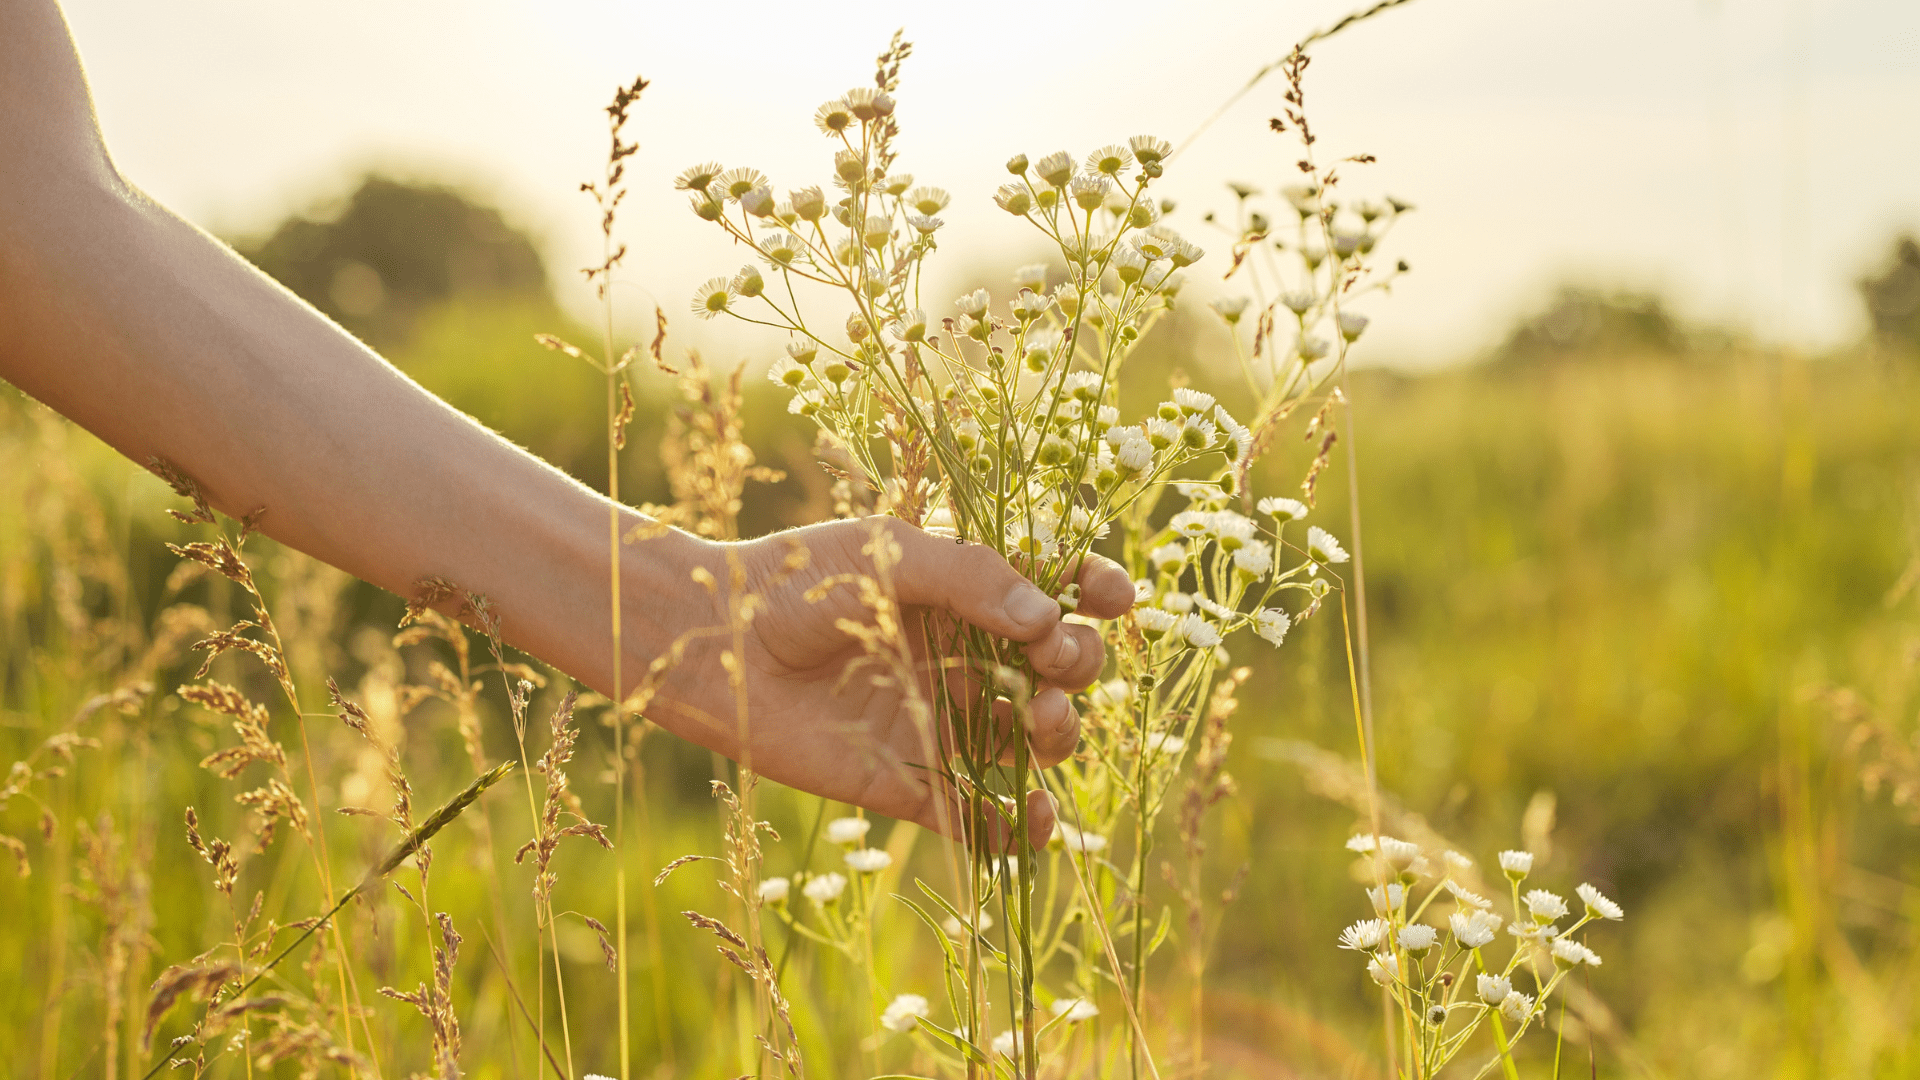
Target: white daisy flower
x: 825, y: 888
x: 1192, y: 401
x: 1570, y: 953
x: 1056, y: 168
x: 1233, y: 529
x: 1193, y: 523
x: 902, y: 1012
x: 1084, y: 843
x: 1545, y: 907
x: 1031, y: 276
x: 1384, y: 968
x: 1213, y: 608
x: 711, y: 298
x: 1388, y: 900
x: 928, y: 200
x: 1473, y: 929
x: 1112, y: 694
x: 1362, y: 843
x: 1494, y: 988
x: 788, y: 374
x: 1074, y: 1010
x: 1148, y: 150
x: 737, y: 182
x: 1254, y: 559
x: 1516, y: 1006
x: 1154, y: 622
x: 810, y: 203
x: 1458, y: 863
x: 1467, y: 896
x: 1161, y: 742
x: 1311, y: 348
x: 1128, y: 265
x: 833, y: 118
x: 1229, y: 308
x: 974, y: 304
x: 1111, y: 160
x: 1398, y: 853
x: 782, y: 249
x: 1297, y: 302
x: 1352, y: 324
x: 1168, y: 558
x: 1598, y: 906
x: 1089, y: 192
x: 1418, y: 938
x: 868, y: 860
x: 698, y: 177
x: 924, y: 225
x: 1365, y: 935
x: 774, y: 890
x: 1162, y: 433
x: 1029, y: 305
x: 1196, y: 433
x: 1323, y: 547
x: 1013, y: 198
x: 1198, y: 632
x: 1516, y: 864
x: 954, y: 929
x: 847, y: 831
x: 1282, y: 509
x: 1009, y: 1044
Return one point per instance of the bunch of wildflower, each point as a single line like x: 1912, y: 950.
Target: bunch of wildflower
x: 998, y: 423
x: 1446, y: 982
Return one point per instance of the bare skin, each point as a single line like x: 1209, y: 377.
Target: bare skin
x: 165, y: 344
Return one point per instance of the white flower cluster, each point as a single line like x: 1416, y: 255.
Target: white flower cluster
x: 1426, y: 969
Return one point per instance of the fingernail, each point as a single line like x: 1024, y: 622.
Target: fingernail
x: 1069, y: 652
x: 1026, y: 605
x: 1068, y: 722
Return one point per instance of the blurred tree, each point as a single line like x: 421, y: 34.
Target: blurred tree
x: 396, y: 249
x: 1583, y: 323
x: 1893, y: 298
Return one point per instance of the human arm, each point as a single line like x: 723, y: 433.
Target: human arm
x: 157, y: 338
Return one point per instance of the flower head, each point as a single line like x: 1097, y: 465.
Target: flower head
x: 1149, y: 150
x: 825, y: 888
x: 1056, y: 168
x: 808, y: 202
x: 712, y: 298
x: 1009, y: 1044
x: 1198, y: 632
x: 1111, y: 160
x: 1467, y: 896
x: 974, y: 304
x: 1473, y: 929
x: 902, y: 1012
x: 1598, y: 906
x: 698, y: 177
x: 1254, y: 558
x: 1074, y: 1010
x: 1384, y: 968
x: 1154, y: 622
x: 847, y: 831
x: 1282, y: 509
x: 774, y: 890
x: 1229, y: 308
x: 833, y: 118
x: 1085, y: 843
x: 1161, y: 742
x: 1516, y: 1006
x: 1398, y: 853
x: 737, y: 182
x: 1387, y: 900
x: 1352, y: 324
x: 1494, y: 989
x: 1516, y: 864
x: 1365, y: 935
x: 1570, y: 953
x: 1418, y: 938
x: 868, y: 860
x: 1089, y: 192
x: 1323, y: 547
x: 1545, y: 907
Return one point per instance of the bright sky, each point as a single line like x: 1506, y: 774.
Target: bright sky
x: 1750, y: 159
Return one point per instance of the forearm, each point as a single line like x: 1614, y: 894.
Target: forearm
x: 165, y: 344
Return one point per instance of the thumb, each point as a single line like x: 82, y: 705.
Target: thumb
x: 970, y: 581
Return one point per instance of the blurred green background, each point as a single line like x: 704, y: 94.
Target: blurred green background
x: 1620, y: 570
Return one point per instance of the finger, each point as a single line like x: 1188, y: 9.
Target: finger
x: 1071, y: 656
x: 970, y: 581
x: 1052, y: 728
x: 1106, y: 592
x: 1041, y: 818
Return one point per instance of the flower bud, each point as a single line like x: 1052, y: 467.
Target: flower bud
x: 1017, y: 164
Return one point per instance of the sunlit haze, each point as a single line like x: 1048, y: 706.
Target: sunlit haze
x: 1748, y: 160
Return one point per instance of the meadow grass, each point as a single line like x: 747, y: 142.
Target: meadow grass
x: 1620, y: 583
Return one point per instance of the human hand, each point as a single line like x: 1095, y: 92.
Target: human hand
x: 811, y: 726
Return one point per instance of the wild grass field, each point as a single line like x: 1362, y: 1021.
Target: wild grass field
x: 1651, y: 616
